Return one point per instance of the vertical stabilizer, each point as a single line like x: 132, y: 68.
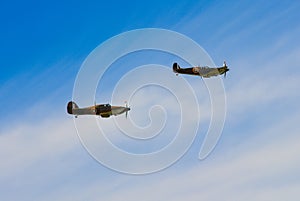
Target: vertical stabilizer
x: 71, y: 105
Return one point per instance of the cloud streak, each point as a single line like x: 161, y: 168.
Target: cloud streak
x: 44, y: 160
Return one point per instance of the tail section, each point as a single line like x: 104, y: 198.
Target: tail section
x: 71, y: 105
x: 176, y: 67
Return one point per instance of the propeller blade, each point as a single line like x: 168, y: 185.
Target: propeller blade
x: 225, y: 74
x: 126, y: 106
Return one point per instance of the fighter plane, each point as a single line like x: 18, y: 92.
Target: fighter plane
x: 201, y: 71
x: 103, y: 110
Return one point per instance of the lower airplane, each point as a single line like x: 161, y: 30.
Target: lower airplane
x: 103, y: 110
x: 201, y: 71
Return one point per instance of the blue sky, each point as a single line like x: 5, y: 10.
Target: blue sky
x: 43, y: 45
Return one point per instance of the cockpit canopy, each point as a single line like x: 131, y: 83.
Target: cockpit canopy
x: 103, y: 108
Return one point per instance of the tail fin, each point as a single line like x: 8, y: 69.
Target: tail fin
x: 224, y: 64
x: 175, y: 67
x: 71, y: 106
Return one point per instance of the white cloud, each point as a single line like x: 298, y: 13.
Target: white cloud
x: 258, y: 92
x: 263, y: 168
x: 252, y: 172
x: 25, y: 144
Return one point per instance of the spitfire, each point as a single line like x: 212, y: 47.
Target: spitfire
x: 204, y: 71
x: 103, y: 110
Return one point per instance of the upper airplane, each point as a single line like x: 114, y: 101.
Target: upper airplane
x: 103, y: 110
x: 201, y: 71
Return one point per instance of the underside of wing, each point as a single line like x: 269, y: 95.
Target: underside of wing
x: 208, y: 72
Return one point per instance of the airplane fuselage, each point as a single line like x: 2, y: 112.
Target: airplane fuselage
x: 200, y: 71
x: 103, y: 110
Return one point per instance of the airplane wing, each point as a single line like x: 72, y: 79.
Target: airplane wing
x: 208, y: 72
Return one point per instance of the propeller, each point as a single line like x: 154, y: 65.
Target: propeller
x: 226, y: 69
x: 126, y: 106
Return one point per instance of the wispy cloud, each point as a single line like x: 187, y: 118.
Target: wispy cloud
x: 23, y: 145
x: 42, y: 158
x: 246, y: 171
x: 251, y: 172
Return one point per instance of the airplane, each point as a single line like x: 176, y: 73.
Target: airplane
x: 201, y: 71
x: 103, y: 110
